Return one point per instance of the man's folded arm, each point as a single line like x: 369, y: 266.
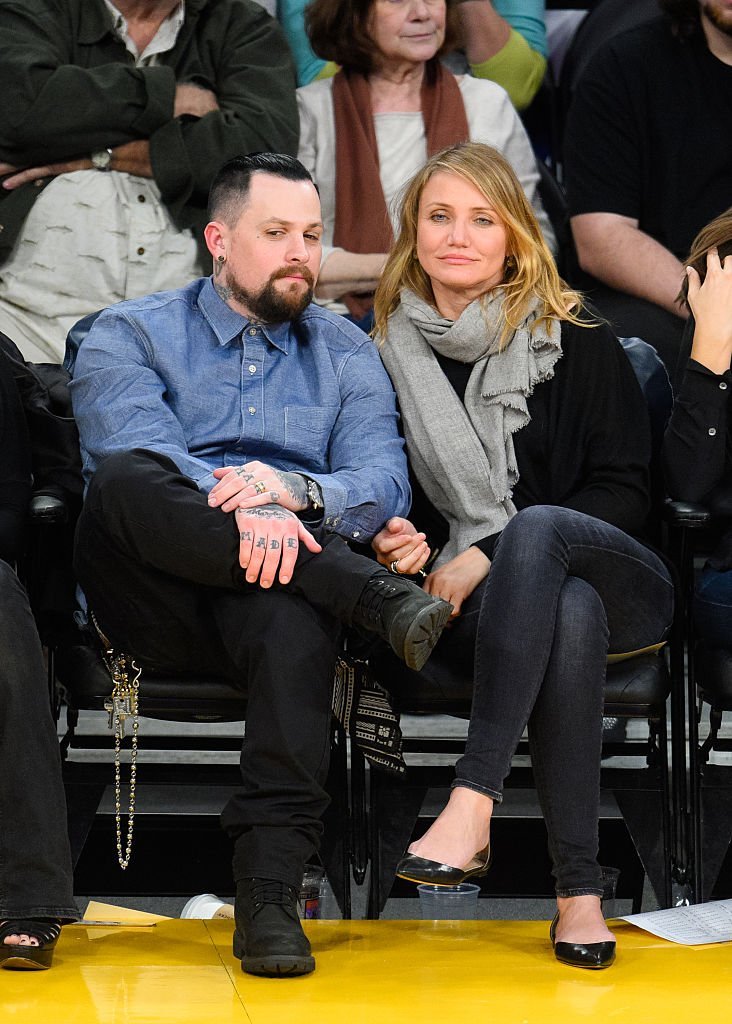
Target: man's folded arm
x: 55, y: 110
x: 255, y: 90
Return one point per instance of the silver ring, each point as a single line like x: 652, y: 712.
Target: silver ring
x: 394, y: 566
x: 260, y: 487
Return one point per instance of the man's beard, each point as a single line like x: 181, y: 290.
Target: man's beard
x: 721, y: 19
x: 270, y: 304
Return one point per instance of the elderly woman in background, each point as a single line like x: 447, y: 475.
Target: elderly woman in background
x: 528, y: 434
x: 698, y: 443
x: 503, y: 40
x: 364, y: 132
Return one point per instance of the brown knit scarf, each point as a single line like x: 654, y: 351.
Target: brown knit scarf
x: 361, y: 217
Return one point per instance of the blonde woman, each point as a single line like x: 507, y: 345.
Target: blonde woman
x: 528, y: 435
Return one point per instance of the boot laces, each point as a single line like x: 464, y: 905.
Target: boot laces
x: 268, y: 890
x: 375, y: 594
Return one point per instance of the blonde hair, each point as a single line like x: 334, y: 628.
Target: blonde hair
x: 717, y: 234
x: 530, y: 268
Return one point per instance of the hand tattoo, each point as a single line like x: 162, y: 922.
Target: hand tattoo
x: 261, y: 542
x: 291, y: 542
x: 246, y: 535
x: 295, y: 486
x: 266, y: 512
x: 275, y: 545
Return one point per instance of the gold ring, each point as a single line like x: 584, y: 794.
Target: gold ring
x: 260, y: 487
x: 394, y: 566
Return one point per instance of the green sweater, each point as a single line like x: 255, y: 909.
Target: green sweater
x: 70, y: 87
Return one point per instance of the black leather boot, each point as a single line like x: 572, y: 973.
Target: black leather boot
x: 269, y: 939
x: 400, y: 612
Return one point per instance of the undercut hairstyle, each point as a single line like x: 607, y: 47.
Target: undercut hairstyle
x: 230, y: 187
x: 716, y: 235
x: 339, y: 31
x: 685, y: 16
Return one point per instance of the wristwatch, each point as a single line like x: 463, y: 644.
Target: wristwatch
x: 315, y: 495
x: 102, y: 159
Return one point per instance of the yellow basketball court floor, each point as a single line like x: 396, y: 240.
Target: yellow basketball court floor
x: 369, y: 972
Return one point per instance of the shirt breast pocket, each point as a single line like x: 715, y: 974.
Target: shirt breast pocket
x: 308, y: 429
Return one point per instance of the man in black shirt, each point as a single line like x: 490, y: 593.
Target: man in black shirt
x: 649, y: 162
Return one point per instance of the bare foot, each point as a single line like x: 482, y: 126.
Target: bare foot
x: 581, y: 920
x: 462, y: 830
x: 21, y: 939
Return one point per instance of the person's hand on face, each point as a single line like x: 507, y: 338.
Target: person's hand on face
x: 711, y: 304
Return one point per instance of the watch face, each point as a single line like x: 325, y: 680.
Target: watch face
x: 101, y: 159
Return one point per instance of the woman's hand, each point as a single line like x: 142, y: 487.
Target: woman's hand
x: 400, y: 542
x: 457, y: 579
x: 711, y: 304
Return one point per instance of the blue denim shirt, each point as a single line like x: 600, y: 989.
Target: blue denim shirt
x: 181, y: 373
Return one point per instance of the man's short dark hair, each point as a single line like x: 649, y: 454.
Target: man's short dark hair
x: 685, y: 15
x: 230, y: 187
x: 338, y: 31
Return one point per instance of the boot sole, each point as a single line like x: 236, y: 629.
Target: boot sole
x: 424, y: 633
x: 274, y: 966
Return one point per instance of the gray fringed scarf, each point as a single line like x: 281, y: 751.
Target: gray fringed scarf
x: 463, y: 455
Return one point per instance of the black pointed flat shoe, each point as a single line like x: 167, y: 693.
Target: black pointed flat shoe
x: 432, y: 872
x: 592, y: 955
x: 29, y: 958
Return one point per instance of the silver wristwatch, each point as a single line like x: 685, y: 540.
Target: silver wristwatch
x: 102, y: 159
x: 315, y: 495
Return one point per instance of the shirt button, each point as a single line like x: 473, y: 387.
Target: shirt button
x: 355, y: 534
x: 252, y: 410
x: 140, y: 251
x: 252, y: 330
x: 712, y: 431
x: 141, y: 199
x: 723, y: 386
x: 252, y: 368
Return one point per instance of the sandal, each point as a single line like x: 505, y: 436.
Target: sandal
x: 29, y: 958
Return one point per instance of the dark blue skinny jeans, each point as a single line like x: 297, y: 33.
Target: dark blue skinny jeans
x: 563, y: 591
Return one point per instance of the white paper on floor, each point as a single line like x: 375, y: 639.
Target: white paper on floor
x: 689, y: 926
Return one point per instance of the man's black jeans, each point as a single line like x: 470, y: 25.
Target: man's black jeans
x: 36, y: 878
x: 160, y: 570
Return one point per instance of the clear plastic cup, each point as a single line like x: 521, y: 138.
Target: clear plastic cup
x: 449, y: 902
x: 311, y: 891
x: 610, y: 878
x: 206, y: 907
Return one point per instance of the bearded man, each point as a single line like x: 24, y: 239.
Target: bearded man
x: 116, y: 115
x: 648, y: 162
x: 235, y: 436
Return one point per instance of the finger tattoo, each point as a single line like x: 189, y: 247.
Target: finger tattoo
x: 245, y: 535
x: 275, y: 545
x: 261, y: 543
x: 291, y: 542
